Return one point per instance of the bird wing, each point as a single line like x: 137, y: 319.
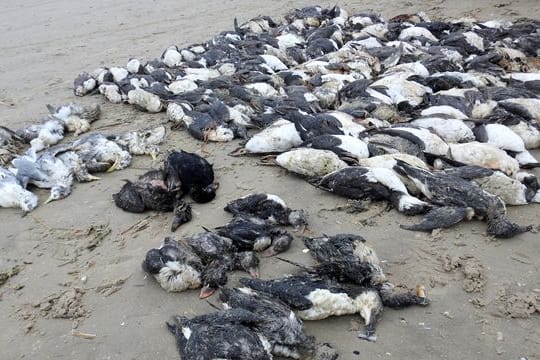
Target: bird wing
x: 442, y: 217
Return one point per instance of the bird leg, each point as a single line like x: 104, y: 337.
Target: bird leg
x: 268, y: 160
x: 369, y: 333
x: 113, y: 167
x: 240, y: 151
x: 182, y: 214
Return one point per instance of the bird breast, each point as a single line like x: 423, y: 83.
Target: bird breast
x: 368, y: 304
x: 326, y: 303
x: 278, y: 137
x: 310, y: 162
x: 176, y: 277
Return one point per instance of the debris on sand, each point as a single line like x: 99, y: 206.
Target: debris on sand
x: 471, y: 268
x: 83, y: 335
x: 109, y: 287
x: 65, y: 305
x: 520, y: 305
x: 9, y: 273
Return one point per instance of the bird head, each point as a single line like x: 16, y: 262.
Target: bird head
x: 58, y: 192
x: 297, y: 218
x: 280, y: 243
x: 153, y: 261
x: 247, y: 261
x: 182, y: 214
x: 29, y: 202
x: 214, y: 277
x: 204, y: 194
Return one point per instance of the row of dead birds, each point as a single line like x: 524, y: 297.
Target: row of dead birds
x: 363, y: 107
x: 264, y: 318
x: 33, y: 155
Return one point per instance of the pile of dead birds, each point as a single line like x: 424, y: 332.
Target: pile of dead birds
x: 183, y: 173
x: 33, y: 156
x: 265, y: 317
x: 204, y: 258
x: 435, y: 117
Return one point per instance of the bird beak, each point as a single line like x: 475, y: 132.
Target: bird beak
x: 113, y: 167
x: 269, y: 252
x: 49, y: 200
x: 206, y: 292
x: 254, y: 272
x: 176, y: 224
x: 93, y: 178
x: 154, y: 155
x: 421, y: 291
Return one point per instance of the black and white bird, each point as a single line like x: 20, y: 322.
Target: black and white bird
x: 345, y: 146
x: 310, y: 162
x: 100, y: 154
x: 210, y: 246
x: 252, y: 233
x: 278, y: 323
x: 315, y: 298
x: 225, y: 334
x: 268, y: 207
x: 174, y: 266
x: 84, y: 84
x: 504, y: 138
x: 360, y: 183
x: 347, y: 258
x: 459, y: 196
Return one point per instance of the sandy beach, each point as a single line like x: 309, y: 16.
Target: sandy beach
x: 482, y: 289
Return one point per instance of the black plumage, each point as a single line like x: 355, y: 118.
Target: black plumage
x: 191, y: 174
x: 222, y: 335
x: 210, y: 246
x: 351, y: 182
x: 174, y: 266
x: 251, y: 233
x: 149, y: 192
x: 452, y: 191
x: 441, y: 217
x: 267, y: 207
x: 278, y: 323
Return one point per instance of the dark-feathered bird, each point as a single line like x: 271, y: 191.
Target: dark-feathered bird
x: 221, y: 335
x: 451, y: 191
x: 149, y: 192
x: 191, y: 174
x: 278, y: 323
x: 268, y: 207
x: 251, y: 233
